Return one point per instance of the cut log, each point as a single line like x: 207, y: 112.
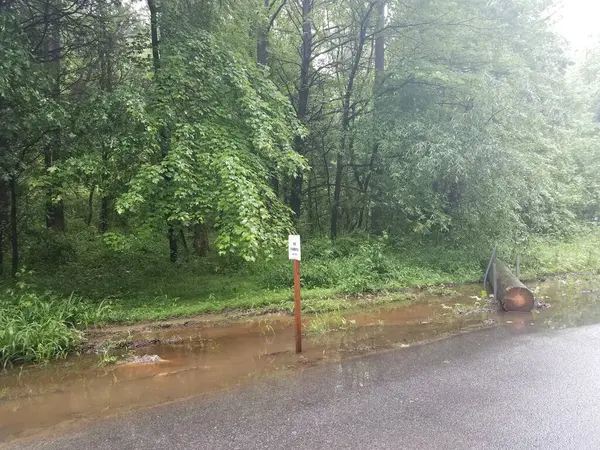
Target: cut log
x: 512, y: 294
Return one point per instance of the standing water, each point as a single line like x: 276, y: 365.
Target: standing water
x: 182, y: 361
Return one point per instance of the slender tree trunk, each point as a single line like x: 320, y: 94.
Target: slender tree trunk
x: 315, y: 224
x: 375, y: 164
x: 262, y: 58
x: 302, y: 109
x: 287, y: 192
x: 163, y: 132
x: 1, y: 249
x: 14, y: 238
x: 103, y: 217
x: 262, y: 43
x: 201, y: 244
x: 311, y: 212
x: 105, y: 50
x: 90, y: 213
x: 4, y: 187
x: 173, y: 244
x: 361, y: 214
x: 337, y: 187
x: 4, y: 201
x: 55, y: 211
x: 347, y: 109
x: 296, y: 191
x: 346, y: 119
x: 186, y: 249
x: 154, y: 33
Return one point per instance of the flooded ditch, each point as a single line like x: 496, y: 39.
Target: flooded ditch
x: 184, y: 360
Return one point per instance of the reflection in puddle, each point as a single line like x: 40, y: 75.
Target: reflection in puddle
x: 205, y: 358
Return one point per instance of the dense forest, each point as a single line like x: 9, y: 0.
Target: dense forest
x: 231, y: 123
x: 158, y: 152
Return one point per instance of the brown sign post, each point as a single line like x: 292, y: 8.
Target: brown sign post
x: 294, y: 255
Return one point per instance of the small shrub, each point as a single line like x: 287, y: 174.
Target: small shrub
x: 321, y: 274
x: 358, y: 284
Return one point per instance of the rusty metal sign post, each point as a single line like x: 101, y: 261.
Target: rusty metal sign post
x: 294, y: 255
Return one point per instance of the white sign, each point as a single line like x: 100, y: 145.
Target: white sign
x: 294, y: 246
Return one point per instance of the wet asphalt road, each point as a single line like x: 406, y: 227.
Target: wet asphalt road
x: 496, y: 389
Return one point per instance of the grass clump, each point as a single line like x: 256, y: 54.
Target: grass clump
x: 326, y: 323
x: 38, y: 327
x: 441, y: 291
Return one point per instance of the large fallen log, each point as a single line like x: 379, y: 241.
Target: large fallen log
x: 512, y: 294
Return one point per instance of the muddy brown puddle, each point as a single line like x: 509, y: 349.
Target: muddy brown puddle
x: 206, y: 358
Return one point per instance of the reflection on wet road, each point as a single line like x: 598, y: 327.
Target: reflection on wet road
x: 203, y: 359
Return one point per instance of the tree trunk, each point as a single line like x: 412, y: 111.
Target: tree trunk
x: 361, y: 215
x: 186, y: 249
x: 302, y: 109
x: 296, y: 197
x: 262, y: 58
x: 337, y: 190
x: 14, y: 239
x: 1, y: 249
x: 163, y: 132
x: 55, y: 211
x: 4, y: 187
x: 346, y: 119
x: 90, y: 213
x: 105, y: 51
x: 103, y: 217
x: 154, y: 34
x: 4, y: 202
x: 262, y: 43
x: 173, y: 244
x: 512, y: 294
x: 201, y: 244
x: 311, y: 202
x: 375, y: 164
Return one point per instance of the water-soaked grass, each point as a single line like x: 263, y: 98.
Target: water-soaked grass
x: 328, y: 322
x: 138, y: 309
x: 314, y: 301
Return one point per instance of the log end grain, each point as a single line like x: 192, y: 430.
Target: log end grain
x: 518, y: 299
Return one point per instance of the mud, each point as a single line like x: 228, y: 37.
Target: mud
x: 171, y: 361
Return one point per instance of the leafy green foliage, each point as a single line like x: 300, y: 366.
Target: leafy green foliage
x: 24, y: 113
x: 476, y: 139
x: 229, y: 135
